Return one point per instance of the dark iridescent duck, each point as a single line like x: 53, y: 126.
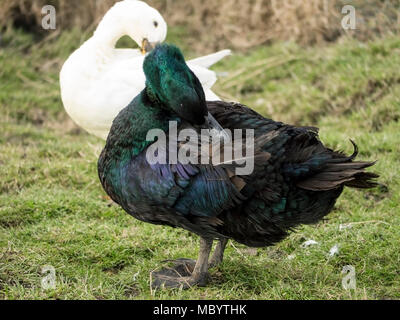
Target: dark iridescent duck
x: 296, y: 180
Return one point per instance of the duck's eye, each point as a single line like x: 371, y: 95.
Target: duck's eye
x: 155, y: 23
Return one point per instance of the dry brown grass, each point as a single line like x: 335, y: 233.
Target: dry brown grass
x: 244, y: 24
x: 219, y: 23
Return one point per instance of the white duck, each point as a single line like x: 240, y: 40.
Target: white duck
x: 98, y: 80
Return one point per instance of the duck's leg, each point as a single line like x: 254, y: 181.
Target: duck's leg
x: 218, y: 254
x: 178, y: 277
x: 186, y: 266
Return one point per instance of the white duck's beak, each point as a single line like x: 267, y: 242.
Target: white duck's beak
x: 147, y: 46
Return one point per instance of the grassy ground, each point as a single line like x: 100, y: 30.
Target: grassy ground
x: 53, y: 210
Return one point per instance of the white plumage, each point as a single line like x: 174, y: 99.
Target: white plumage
x: 98, y: 80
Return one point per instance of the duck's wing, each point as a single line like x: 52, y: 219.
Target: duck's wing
x: 207, y: 77
x: 188, y: 189
x: 232, y: 115
x: 297, y: 154
x: 211, y: 59
x: 211, y: 96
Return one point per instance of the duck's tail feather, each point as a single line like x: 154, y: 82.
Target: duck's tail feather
x: 341, y: 170
x: 211, y: 59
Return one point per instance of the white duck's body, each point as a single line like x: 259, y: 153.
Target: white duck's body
x: 97, y: 80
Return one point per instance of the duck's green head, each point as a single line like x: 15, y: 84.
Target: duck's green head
x: 170, y: 81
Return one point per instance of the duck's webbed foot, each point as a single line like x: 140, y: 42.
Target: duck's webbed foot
x: 181, y: 267
x: 186, y: 272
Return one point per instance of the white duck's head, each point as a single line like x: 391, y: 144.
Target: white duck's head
x: 133, y: 18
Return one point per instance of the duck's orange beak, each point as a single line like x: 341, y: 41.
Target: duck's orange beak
x: 146, y: 46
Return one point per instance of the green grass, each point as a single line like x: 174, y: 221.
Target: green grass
x: 53, y: 210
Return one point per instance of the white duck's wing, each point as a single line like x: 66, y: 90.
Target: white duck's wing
x: 211, y: 96
x: 211, y: 59
x: 207, y: 77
